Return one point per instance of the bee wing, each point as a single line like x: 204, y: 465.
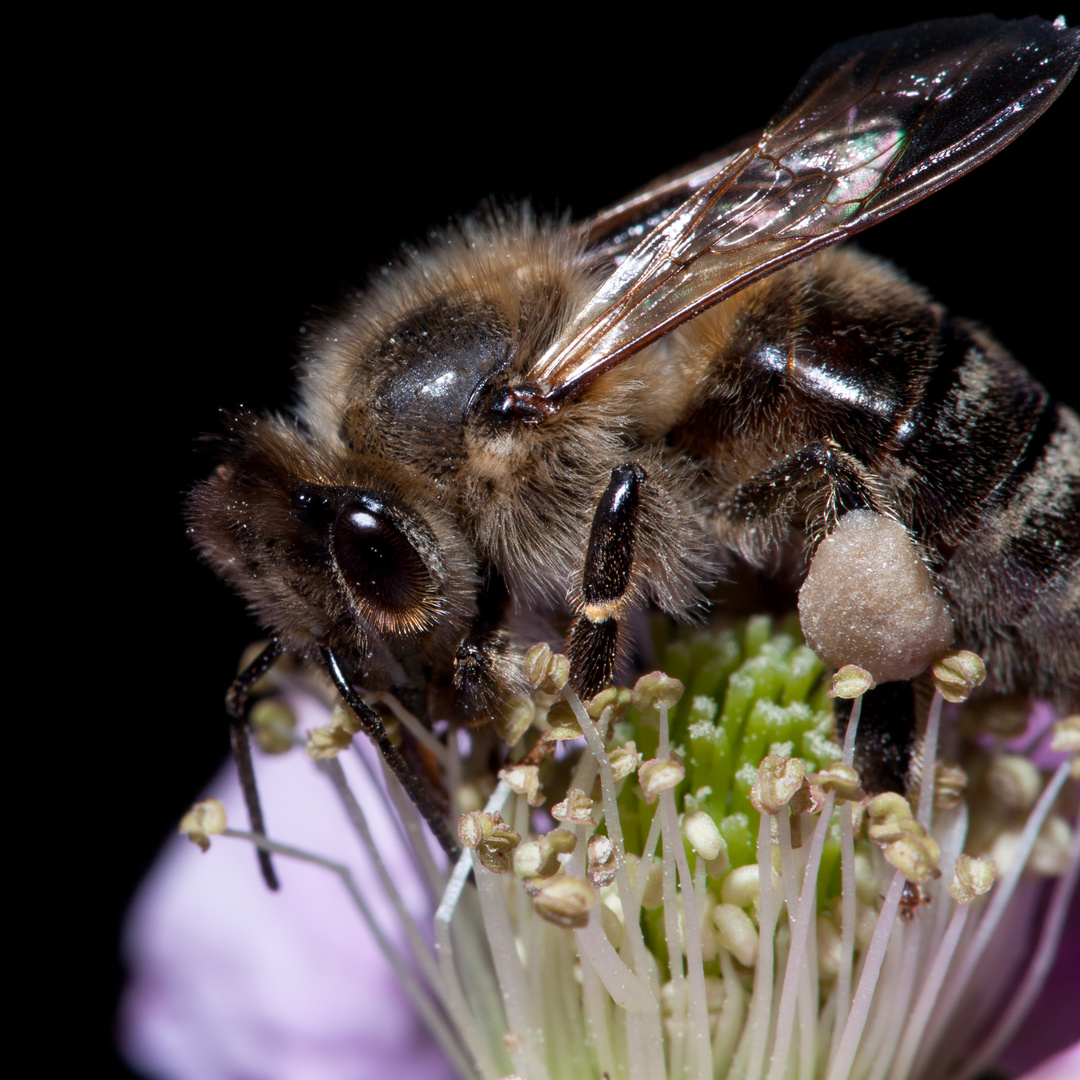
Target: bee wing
x: 876, y: 124
x: 615, y: 231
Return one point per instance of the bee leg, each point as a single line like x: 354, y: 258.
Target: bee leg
x: 479, y: 656
x: 606, y: 582
x: 373, y: 728
x: 821, y: 478
x: 237, y: 699
x: 818, y: 484
x: 883, y: 748
x: 487, y: 666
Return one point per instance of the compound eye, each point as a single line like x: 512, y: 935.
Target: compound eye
x: 382, y: 570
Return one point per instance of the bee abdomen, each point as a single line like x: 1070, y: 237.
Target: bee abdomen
x: 1014, y: 584
x: 977, y: 428
x: 964, y: 447
x: 993, y: 494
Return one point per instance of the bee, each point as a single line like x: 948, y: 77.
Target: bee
x: 531, y: 429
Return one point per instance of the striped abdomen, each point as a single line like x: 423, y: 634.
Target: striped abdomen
x: 838, y: 384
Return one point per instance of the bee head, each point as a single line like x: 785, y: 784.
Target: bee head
x: 332, y: 548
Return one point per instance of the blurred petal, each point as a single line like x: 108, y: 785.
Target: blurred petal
x: 231, y: 981
x: 1052, y: 1024
x: 1063, y: 1066
x: 1035, y: 742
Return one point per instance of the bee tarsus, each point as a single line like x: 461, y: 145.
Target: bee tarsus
x: 820, y: 476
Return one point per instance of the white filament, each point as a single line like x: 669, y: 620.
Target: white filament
x: 698, y: 1017
x: 768, y: 910
x: 647, y: 1061
x: 1000, y: 896
x: 446, y: 1036
x: 803, y: 910
x: 929, y: 772
x: 864, y: 992
x: 928, y: 994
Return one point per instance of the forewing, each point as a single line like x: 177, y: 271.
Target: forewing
x: 875, y: 124
x: 617, y: 230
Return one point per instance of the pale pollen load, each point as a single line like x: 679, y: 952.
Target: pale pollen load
x: 868, y: 600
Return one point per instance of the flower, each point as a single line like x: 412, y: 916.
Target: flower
x: 693, y: 887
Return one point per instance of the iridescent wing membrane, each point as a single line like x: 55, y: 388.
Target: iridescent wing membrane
x: 875, y: 125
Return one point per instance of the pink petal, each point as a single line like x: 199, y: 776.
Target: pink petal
x: 231, y: 981
x: 1052, y: 1025
x: 1063, y: 1066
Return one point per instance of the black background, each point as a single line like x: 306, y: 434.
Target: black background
x: 247, y: 173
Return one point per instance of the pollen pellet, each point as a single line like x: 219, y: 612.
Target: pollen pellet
x: 868, y: 600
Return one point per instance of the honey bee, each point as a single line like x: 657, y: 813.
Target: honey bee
x: 531, y: 429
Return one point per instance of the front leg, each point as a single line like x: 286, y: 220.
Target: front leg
x: 606, y: 582
x: 488, y: 670
x: 372, y: 726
